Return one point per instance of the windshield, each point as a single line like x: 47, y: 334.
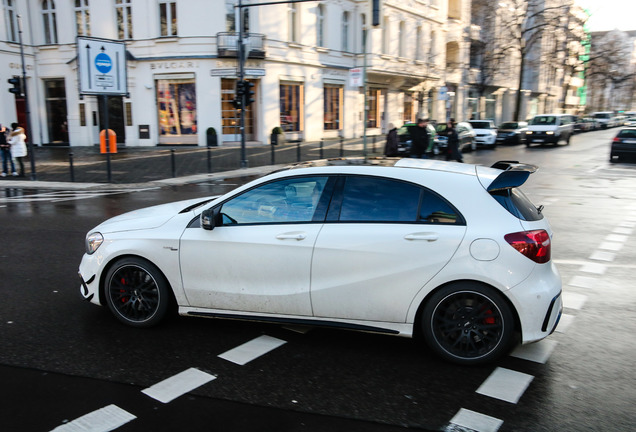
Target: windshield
x: 508, y: 125
x: 544, y: 120
x: 481, y: 125
x: 602, y: 115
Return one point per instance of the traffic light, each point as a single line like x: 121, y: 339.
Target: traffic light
x: 249, y: 93
x: 239, y: 94
x: 17, y: 86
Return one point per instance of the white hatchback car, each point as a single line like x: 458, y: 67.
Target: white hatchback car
x: 453, y: 252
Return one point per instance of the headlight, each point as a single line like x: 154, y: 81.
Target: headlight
x: 93, y: 242
x: 529, y: 133
x: 549, y: 133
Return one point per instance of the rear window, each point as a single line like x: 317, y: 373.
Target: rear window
x: 517, y: 203
x: 602, y: 115
x: 508, y: 125
x: 543, y: 120
x: 627, y: 133
x: 481, y: 125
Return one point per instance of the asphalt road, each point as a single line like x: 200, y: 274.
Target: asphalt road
x: 62, y: 358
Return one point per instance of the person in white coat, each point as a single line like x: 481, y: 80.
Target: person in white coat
x: 17, y: 139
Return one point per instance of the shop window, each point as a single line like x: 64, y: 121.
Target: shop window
x: 408, y: 108
x: 123, y: 12
x: 177, y: 109
x: 230, y: 116
x: 333, y: 107
x: 50, y: 23
x: 291, y: 105
x: 128, y: 108
x: 56, y: 112
x: 168, y: 18
x: 373, y: 101
x: 82, y: 18
x: 11, y: 23
x: 82, y: 114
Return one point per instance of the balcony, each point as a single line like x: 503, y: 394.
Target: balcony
x: 227, y: 45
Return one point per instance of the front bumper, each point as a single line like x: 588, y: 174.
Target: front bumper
x: 89, y: 280
x: 541, y: 138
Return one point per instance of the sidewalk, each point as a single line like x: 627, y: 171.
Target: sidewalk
x: 86, y: 168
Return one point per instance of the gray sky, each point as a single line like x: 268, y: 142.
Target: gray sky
x: 610, y: 14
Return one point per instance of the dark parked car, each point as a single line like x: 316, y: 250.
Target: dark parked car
x: 512, y: 132
x: 405, y: 142
x: 624, y: 144
x: 464, y: 131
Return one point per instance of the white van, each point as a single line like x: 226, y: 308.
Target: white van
x: 606, y: 119
x: 550, y: 128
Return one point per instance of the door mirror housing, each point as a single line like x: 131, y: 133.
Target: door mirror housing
x: 210, y: 218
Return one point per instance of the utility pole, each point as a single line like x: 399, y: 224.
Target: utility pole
x: 26, y: 102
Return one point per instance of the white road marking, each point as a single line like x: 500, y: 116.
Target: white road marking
x: 255, y: 348
x: 622, y: 230
x: 565, y: 322
x: 505, y: 384
x: 584, y: 282
x: 594, y: 268
x: 616, y: 238
x: 613, y: 246
x: 627, y: 224
x: 603, y: 256
x: 538, y: 352
x: 177, y: 385
x: 103, y: 420
x: 476, y: 421
x: 573, y: 300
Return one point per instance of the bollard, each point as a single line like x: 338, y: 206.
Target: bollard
x: 297, y: 151
x: 70, y: 163
x: 273, y: 151
x: 373, y: 144
x: 110, y: 173
x: 321, y: 151
x: 341, y: 146
x: 174, y: 165
x: 209, y: 161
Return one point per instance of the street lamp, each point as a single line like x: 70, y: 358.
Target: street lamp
x: 27, y: 112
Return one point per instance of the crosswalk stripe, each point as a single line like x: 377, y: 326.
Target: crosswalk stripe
x: 538, y: 352
x: 573, y: 300
x: 177, y: 385
x: 102, y: 420
x: 505, y: 384
x: 255, y: 348
x: 475, y: 421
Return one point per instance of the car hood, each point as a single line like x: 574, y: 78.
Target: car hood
x: 150, y: 217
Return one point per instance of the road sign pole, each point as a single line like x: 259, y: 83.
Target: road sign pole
x: 27, y: 111
x: 106, y: 114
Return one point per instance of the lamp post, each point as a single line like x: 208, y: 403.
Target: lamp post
x: 27, y: 112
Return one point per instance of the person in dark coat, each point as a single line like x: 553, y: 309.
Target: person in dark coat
x: 452, y: 151
x: 419, y: 139
x: 392, y: 141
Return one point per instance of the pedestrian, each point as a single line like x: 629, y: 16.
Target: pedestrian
x: 392, y: 141
x: 452, y: 151
x: 5, y: 148
x: 430, y: 150
x: 419, y: 139
x: 17, y: 139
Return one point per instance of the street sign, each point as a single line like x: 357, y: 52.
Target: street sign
x: 223, y: 72
x: 356, y: 78
x: 101, y: 67
x: 254, y: 72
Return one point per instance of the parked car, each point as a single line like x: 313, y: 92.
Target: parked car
x: 624, y: 144
x: 485, y: 132
x: 405, y: 141
x: 582, y: 125
x: 606, y: 119
x: 550, y: 128
x: 630, y: 122
x: 465, y: 133
x: 455, y: 252
x: 512, y: 132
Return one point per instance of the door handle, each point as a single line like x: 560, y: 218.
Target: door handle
x: 292, y: 236
x: 422, y: 236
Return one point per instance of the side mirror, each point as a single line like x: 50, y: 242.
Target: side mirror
x: 209, y: 218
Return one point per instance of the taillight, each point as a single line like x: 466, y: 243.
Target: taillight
x: 533, y: 244
x: 617, y: 140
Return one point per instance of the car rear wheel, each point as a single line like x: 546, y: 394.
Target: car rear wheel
x: 136, y: 292
x: 468, y: 323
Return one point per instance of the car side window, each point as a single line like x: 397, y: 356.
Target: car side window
x: 284, y: 201
x: 437, y: 210
x: 374, y: 199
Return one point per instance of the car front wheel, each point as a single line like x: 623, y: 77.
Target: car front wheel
x: 468, y: 323
x: 136, y: 292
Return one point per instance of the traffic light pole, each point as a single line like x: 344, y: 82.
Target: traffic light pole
x: 26, y: 103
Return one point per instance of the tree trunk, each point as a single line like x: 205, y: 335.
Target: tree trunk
x: 521, y: 73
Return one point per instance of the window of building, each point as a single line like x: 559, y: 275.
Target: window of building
x: 230, y: 17
x: 50, y: 24
x: 408, y: 108
x: 123, y: 12
x: 374, y: 97
x: 320, y: 25
x: 386, y: 36
x: 56, y: 112
x: 454, y: 9
x: 418, y: 44
x: 230, y: 116
x: 400, y: 37
x: 363, y: 29
x: 291, y: 106
x: 177, y: 109
x: 292, y: 22
x: 345, y: 31
x: 333, y: 107
x: 168, y: 18
x: 10, y: 19
x: 82, y: 114
x: 82, y: 18
x: 431, y: 49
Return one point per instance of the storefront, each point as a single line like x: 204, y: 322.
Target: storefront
x: 177, y: 109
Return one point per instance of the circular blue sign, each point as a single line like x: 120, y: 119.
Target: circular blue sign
x: 103, y: 63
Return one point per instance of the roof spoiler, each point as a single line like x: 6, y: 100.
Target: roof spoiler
x: 514, y: 175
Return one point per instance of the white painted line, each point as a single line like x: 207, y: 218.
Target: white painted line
x: 255, y: 348
x: 564, y: 323
x: 594, y: 268
x: 177, y: 385
x: 573, y: 300
x: 627, y: 224
x: 613, y: 246
x: 616, y: 238
x: 103, y: 420
x: 538, y: 352
x: 621, y: 230
x: 476, y: 421
x: 506, y: 385
x: 584, y: 282
x: 603, y: 256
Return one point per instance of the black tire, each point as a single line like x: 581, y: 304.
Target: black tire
x: 136, y: 292
x: 468, y: 323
